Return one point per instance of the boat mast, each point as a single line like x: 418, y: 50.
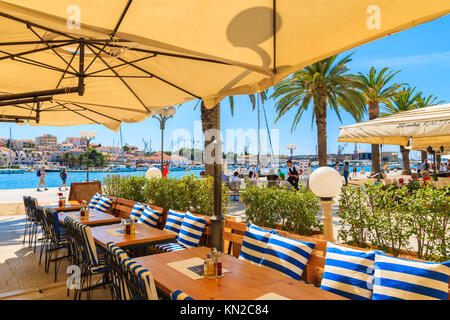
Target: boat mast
x: 121, y: 142
x: 10, y: 147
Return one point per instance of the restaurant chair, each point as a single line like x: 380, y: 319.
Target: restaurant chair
x: 35, y: 225
x: 180, y: 295
x: 114, y: 257
x: 74, y: 252
x: 139, y: 281
x: 46, y: 236
x: 28, y: 217
x: 92, y: 260
x: 58, y: 241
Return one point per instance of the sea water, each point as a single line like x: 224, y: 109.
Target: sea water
x: 31, y: 180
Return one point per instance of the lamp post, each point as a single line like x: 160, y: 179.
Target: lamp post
x: 88, y: 136
x: 325, y: 182
x: 291, y: 148
x: 162, y: 115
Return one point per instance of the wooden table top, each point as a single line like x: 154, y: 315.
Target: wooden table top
x: 144, y: 235
x: 243, y: 281
x: 95, y: 217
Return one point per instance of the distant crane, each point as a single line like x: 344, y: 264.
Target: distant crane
x: 147, y: 146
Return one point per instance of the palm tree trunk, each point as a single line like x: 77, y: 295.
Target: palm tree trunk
x: 405, y: 158
x: 208, y: 117
x: 423, y: 156
x: 374, y: 111
x: 321, y: 123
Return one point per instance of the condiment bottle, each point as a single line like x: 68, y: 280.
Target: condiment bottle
x: 132, y: 227
x: 127, y: 228
x: 218, y: 264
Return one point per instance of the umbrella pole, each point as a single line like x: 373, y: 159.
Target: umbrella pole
x: 218, y: 220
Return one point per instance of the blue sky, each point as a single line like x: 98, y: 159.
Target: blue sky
x: 421, y: 53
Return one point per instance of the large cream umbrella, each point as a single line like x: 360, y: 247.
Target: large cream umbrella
x: 115, y: 61
x: 418, y: 128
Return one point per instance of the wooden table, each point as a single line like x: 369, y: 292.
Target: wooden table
x: 95, y: 218
x: 243, y: 281
x: 144, y: 236
x: 70, y: 206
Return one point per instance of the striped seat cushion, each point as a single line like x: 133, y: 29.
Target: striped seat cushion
x: 348, y: 272
x: 103, y: 204
x: 168, y: 247
x: 287, y: 255
x: 137, y: 210
x: 173, y: 221
x: 146, y: 277
x: 254, y: 243
x: 94, y: 200
x: 150, y: 217
x: 120, y: 255
x: 191, y: 230
x: 180, y: 295
x: 401, y: 279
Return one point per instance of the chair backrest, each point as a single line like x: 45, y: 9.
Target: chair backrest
x: 84, y: 190
x: 313, y: 273
x: 116, y: 271
x: 90, y: 250
x: 180, y: 295
x: 52, y: 218
x: 33, y: 205
x: 139, y: 281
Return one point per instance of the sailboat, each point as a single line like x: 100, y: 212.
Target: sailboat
x: 122, y: 167
x: 10, y: 170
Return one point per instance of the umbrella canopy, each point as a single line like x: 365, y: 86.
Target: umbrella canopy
x: 425, y: 127
x: 108, y: 61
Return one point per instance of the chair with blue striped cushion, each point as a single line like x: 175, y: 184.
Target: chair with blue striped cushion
x: 136, y: 212
x: 114, y: 257
x: 91, y: 261
x: 139, y: 280
x: 150, y: 217
x: 288, y: 256
x: 180, y: 295
x: 94, y: 200
x: 348, y: 272
x: 103, y: 204
x: 173, y: 221
x: 254, y: 243
x: 401, y: 279
x: 191, y: 230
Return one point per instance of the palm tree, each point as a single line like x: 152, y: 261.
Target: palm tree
x: 324, y: 83
x: 376, y: 90
x: 427, y: 102
x: 406, y: 100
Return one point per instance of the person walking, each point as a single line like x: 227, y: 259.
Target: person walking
x: 419, y: 168
x: 346, y: 171
x: 294, y: 173
x: 63, y: 175
x: 41, y: 174
x: 355, y: 169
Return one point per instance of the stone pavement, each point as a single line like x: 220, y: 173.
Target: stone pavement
x: 21, y: 276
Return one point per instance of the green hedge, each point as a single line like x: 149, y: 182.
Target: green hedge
x: 389, y: 217
x: 189, y: 193
x: 294, y: 211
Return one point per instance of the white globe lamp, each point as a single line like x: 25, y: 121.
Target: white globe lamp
x: 326, y: 183
x: 153, y: 173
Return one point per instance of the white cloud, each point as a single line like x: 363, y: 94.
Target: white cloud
x: 437, y: 59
